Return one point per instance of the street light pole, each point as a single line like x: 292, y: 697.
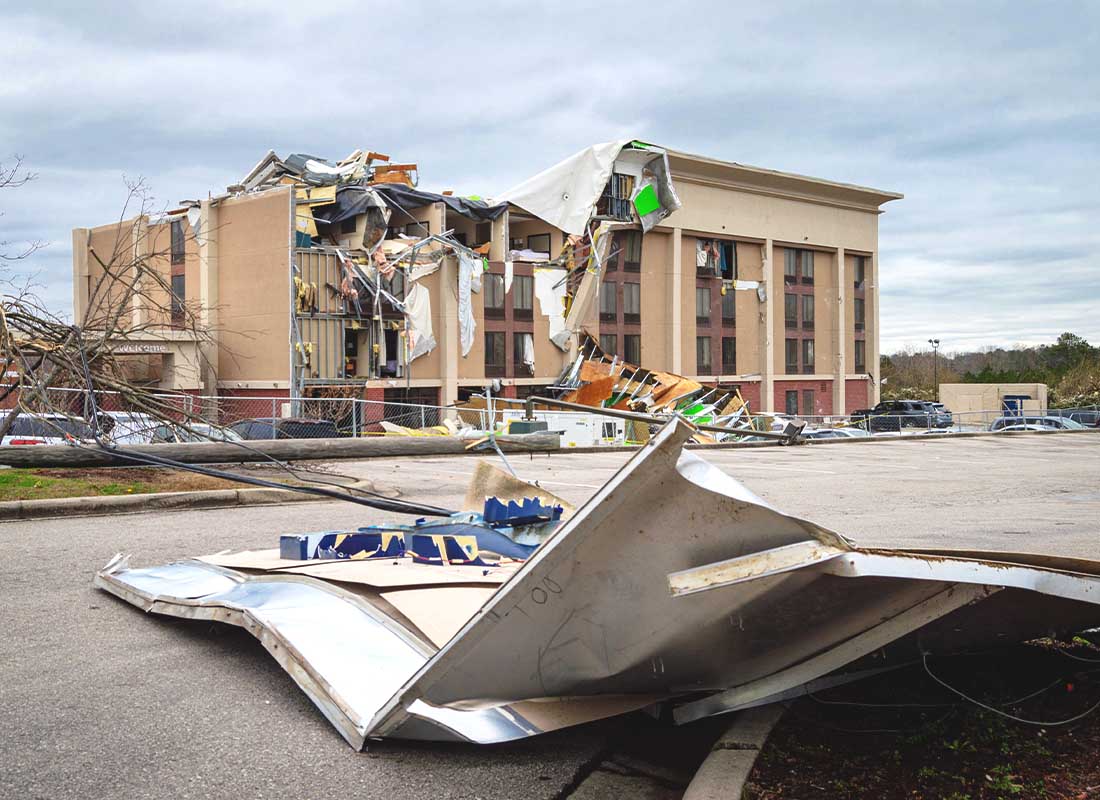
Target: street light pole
x: 935, y: 366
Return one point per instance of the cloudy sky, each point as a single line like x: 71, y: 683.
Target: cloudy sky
x: 987, y: 117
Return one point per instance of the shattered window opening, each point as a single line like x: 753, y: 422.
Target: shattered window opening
x: 703, y: 365
x: 494, y: 296
x: 729, y: 307
x: 523, y: 290
x: 790, y: 266
x: 539, y: 242
x: 615, y: 200
x: 702, y: 305
x: 609, y: 302
x: 859, y: 312
x: 179, y: 297
x: 609, y: 343
x: 632, y: 348
x: 807, y: 266
x: 860, y: 272
x: 495, y: 357
x: 632, y: 251
x: 808, y: 356
x: 632, y: 303
x: 178, y: 255
x: 791, y: 403
x: 729, y: 355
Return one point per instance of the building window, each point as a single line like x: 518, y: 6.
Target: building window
x: 608, y: 302
x: 632, y: 303
x: 790, y: 310
x: 861, y: 355
x: 177, y: 241
x: 703, y: 364
x: 729, y: 307
x: 632, y: 251
x: 609, y: 343
x: 179, y: 296
x: 702, y: 305
x: 790, y: 266
x: 808, y: 312
x: 729, y: 355
x: 523, y: 354
x: 807, y: 266
x: 539, y: 242
x: 632, y: 348
x: 523, y: 288
x: 808, y: 356
x: 728, y: 264
x: 860, y: 272
x: 791, y: 403
x: 859, y: 310
x: 494, y: 296
x: 808, y: 402
x: 495, y: 359
x: 791, y: 356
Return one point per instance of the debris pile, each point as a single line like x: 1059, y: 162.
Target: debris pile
x: 672, y: 585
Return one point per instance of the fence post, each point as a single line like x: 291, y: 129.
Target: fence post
x: 423, y: 424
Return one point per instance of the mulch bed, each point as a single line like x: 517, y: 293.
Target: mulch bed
x: 903, y: 735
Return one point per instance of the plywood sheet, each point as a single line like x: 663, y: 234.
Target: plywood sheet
x: 440, y: 611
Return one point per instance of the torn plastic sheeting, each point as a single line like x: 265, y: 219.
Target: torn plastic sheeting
x: 469, y: 280
x: 401, y: 197
x: 418, y: 310
x: 593, y: 623
x: 550, y: 290
x: 565, y: 195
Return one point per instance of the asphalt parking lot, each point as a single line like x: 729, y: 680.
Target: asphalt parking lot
x: 101, y: 701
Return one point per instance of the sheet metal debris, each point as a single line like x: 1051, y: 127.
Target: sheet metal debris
x: 673, y: 583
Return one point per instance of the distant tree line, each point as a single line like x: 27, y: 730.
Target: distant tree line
x: 1070, y: 368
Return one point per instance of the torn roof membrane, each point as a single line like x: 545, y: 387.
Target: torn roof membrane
x: 673, y: 582
x: 566, y: 194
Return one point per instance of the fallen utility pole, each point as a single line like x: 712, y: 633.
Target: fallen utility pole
x: 64, y: 455
x: 655, y: 420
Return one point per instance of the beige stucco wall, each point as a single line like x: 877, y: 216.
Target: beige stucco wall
x: 966, y: 400
x: 254, y: 247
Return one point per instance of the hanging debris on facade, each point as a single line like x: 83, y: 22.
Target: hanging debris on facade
x: 617, y: 609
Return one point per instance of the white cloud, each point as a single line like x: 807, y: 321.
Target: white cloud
x: 984, y: 116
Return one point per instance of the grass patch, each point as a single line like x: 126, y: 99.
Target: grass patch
x: 45, y: 484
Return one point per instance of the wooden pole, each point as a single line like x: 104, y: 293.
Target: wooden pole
x: 91, y: 455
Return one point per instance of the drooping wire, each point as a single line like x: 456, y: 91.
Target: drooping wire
x: 377, y: 501
x: 1005, y: 714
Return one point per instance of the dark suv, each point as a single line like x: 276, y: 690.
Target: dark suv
x: 285, y: 428
x: 893, y: 415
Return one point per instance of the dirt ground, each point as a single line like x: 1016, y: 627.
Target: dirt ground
x: 904, y: 735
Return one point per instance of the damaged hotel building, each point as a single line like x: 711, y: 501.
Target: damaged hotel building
x: 345, y: 278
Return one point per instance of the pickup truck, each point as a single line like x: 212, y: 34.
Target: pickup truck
x: 893, y: 415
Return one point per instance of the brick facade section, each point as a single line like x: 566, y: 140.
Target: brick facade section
x: 823, y: 396
x: 855, y: 394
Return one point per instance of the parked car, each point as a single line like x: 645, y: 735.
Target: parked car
x: 893, y: 415
x: 31, y: 429
x: 194, y: 432
x: 285, y: 428
x: 835, y: 433
x: 1088, y: 417
x: 131, y: 427
x: 1048, y: 422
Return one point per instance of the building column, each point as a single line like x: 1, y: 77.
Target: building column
x: 676, y: 311
x: 840, y: 334
x: 81, y: 274
x: 206, y: 237
x: 873, y: 362
x: 767, y: 337
x: 447, y: 335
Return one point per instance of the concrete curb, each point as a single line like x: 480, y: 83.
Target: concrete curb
x: 723, y: 773
x: 165, y: 501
